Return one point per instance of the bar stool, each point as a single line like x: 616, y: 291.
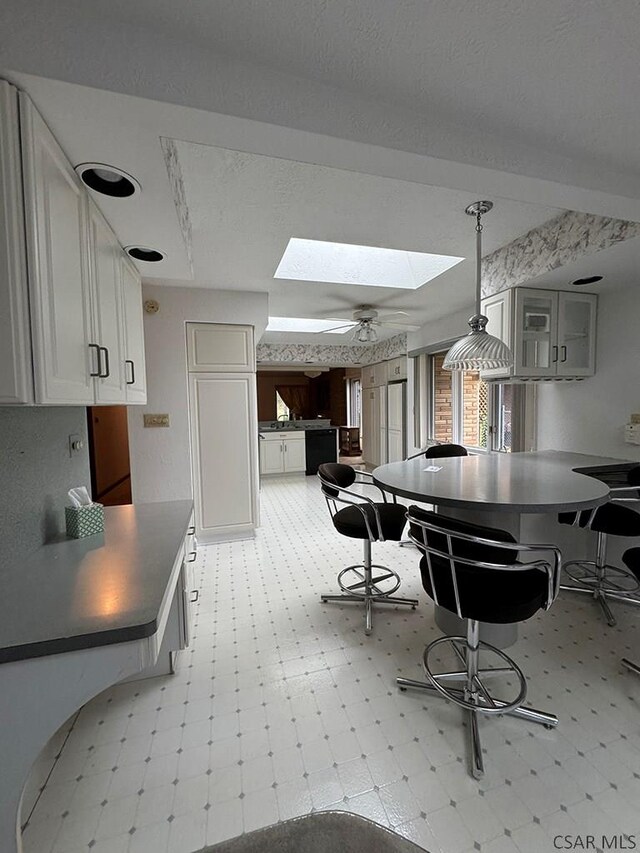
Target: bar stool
x: 363, y: 519
x: 598, y: 578
x: 631, y: 559
x: 436, y: 451
x: 475, y: 572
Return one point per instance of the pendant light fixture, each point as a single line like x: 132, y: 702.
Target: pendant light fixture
x: 478, y: 350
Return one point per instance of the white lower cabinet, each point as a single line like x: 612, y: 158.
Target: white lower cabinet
x: 283, y: 453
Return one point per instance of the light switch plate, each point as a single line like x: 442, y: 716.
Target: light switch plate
x: 156, y: 420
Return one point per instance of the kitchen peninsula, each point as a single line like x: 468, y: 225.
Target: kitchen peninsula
x: 101, y: 609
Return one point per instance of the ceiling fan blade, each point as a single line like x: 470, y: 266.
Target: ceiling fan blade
x: 336, y: 328
x: 393, y: 314
x: 405, y: 327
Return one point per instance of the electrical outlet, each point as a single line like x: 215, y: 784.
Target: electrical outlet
x: 156, y: 420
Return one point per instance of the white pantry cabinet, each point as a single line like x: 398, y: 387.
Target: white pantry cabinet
x: 70, y: 312
x: 223, y: 418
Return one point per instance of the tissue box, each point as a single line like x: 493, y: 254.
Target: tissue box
x: 84, y: 520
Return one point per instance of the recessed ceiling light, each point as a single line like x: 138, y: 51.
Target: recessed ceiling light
x: 108, y: 180
x: 590, y: 279
x: 303, y: 324
x: 144, y: 253
x: 342, y: 263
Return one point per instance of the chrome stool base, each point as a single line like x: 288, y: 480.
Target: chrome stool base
x: 602, y: 581
x: 631, y: 666
x: 472, y: 694
x: 367, y: 588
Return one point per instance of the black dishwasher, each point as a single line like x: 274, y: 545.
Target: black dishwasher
x: 321, y: 446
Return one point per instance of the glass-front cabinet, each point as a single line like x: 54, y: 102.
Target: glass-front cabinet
x: 536, y: 348
x: 552, y: 334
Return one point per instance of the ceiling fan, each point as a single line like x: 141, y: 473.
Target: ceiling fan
x: 366, y: 318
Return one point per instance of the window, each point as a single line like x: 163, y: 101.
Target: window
x: 282, y: 411
x: 452, y: 407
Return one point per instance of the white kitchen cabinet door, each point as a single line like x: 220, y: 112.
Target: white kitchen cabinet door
x: 369, y: 426
x: 497, y: 309
x: 56, y: 214
x: 397, y: 369
x: 536, y: 332
x: 134, y: 365
x: 213, y: 347
x: 224, y: 434
x: 16, y: 377
x: 576, y: 333
x: 380, y: 373
x: 107, y: 309
x: 395, y: 406
x: 368, y: 376
x: 272, y: 456
x: 382, y: 423
x: 295, y: 455
x: 396, y: 446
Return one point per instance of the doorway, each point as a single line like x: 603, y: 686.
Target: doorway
x: 109, y: 455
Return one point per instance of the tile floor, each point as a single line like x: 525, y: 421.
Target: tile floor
x: 282, y: 706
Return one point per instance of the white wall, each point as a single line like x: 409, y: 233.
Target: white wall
x: 589, y: 416
x: 160, y: 457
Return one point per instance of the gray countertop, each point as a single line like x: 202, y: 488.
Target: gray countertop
x: 108, y: 588
x: 543, y: 482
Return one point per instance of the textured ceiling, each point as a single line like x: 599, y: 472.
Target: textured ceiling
x: 243, y: 209
x: 544, y: 88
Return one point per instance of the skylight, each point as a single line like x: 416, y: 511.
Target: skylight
x: 302, y: 324
x: 342, y: 263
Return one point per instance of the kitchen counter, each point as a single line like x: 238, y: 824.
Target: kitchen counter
x: 107, y: 588
x: 77, y: 616
x: 291, y: 426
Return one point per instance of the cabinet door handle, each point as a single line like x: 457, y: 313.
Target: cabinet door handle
x: 97, y: 350
x: 192, y: 556
x: 555, y: 353
x: 195, y: 593
x: 191, y: 530
x: 107, y: 369
x: 564, y: 353
x: 133, y: 372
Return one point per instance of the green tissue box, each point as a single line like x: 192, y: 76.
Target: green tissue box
x: 84, y: 520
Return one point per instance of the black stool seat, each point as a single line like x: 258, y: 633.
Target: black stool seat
x: 597, y: 578
x: 611, y: 518
x: 350, y: 520
x: 487, y: 595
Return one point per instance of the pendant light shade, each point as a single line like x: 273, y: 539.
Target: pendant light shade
x: 478, y: 350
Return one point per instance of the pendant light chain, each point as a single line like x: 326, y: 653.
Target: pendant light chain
x: 478, y: 259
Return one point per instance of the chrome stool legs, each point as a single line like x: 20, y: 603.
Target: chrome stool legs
x: 631, y: 666
x: 368, y: 588
x: 602, y: 581
x: 472, y: 694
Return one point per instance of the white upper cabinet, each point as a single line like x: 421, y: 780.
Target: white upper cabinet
x: 397, y: 369
x: 213, y: 347
x: 16, y: 379
x: 56, y: 215
x: 107, y: 304
x: 133, y: 362
x: 552, y: 334
x: 70, y: 324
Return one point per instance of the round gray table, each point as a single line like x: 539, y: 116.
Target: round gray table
x: 494, y: 490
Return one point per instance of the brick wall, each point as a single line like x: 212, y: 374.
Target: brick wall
x: 443, y: 411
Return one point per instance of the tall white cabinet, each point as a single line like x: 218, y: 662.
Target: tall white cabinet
x: 383, y: 411
x: 71, y: 302
x: 224, y: 430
